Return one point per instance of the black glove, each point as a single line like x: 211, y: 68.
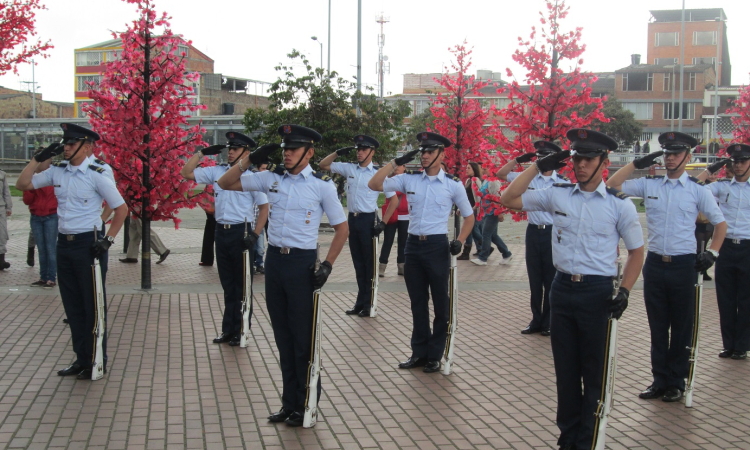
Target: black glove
x: 704, y: 261
x: 320, y: 276
x: 401, y: 160
x: 344, y: 151
x: 456, y: 246
x: 553, y: 161
x: 647, y: 161
x: 100, y: 247
x: 213, y: 150
x: 619, y: 303
x: 378, y: 228
x: 715, y: 167
x: 49, y: 152
x: 526, y: 157
x: 248, y: 242
x: 260, y: 155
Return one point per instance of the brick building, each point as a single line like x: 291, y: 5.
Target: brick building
x: 20, y: 105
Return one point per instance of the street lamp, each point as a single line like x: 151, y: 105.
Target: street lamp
x: 315, y: 38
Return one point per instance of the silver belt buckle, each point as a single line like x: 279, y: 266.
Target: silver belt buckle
x: 665, y: 258
x: 737, y: 241
x: 576, y: 278
x: 541, y: 227
x: 355, y: 214
x: 422, y: 237
x: 285, y: 250
x: 70, y: 237
x: 226, y: 226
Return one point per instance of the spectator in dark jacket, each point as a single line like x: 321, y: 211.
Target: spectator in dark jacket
x: 43, y: 208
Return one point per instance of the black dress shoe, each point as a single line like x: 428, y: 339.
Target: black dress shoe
x: 223, y: 337
x: 412, y: 363
x: 739, y: 355
x: 432, y: 366
x: 530, y: 330
x: 280, y: 416
x: 354, y: 311
x: 672, y: 394
x: 652, y: 392
x: 725, y: 353
x: 567, y: 447
x: 65, y: 320
x: 162, y: 257
x: 295, y: 419
x: 235, y: 341
x: 129, y: 260
x: 73, y: 369
x: 364, y: 313
x: 545, y: 332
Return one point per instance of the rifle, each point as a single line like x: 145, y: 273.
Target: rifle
x: 313, y: 369
x: 450, y: 341
x: 375, y: 274
x: 247, y: 297
x: 606, y: 399
x: 97, y: 369
x: 690, y: 387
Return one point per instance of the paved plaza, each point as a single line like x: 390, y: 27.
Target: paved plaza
x: 168, y: 386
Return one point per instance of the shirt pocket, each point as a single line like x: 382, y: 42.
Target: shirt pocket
x: 307, y: 210
x: 688, y: 212
x: 600, y: 233
x: 443, y: 206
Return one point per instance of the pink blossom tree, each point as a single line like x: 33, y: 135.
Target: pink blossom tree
x: 17, y: 25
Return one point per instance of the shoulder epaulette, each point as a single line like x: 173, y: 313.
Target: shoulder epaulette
x: 654, y: 177
x: 224, y: 165
x: 723, y: 179
x: 413, y: 172
x: 563, y: 178
x: 619, y: 194
x: 321, y: 175
x: 564, y: 185
x: 450, y: 176
x: 96, y: 169
x: 278, y: 170
x: 60, y: 164
x: 696, y: 181
x: 99, y: 161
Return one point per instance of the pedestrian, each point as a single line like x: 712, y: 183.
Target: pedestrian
x: 43, y: 208
x: 489, y: 222
x: 472, y: 182
x: 234, y: 219
x: 80, y: 187
x: 6, y: 209
x: 134, y: 242
x: 589, y: 221
x: 539, y: 265
x: 732, y: 270
x: 396, y: 218
x: 672, y: 202
x: 364, y: 224
x: 431, y: 194
x: 299, y: 197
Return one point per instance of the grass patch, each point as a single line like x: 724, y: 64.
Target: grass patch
x: 638, y: 202
x: 15, y: 192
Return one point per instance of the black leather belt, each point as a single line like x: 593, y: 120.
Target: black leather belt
x: 670, y: 258
x: 539, y: 227
x: 357, y: 214
x: 288, y: 250
x: 228, y: 226
x: 739, y: 241
x: 580, y: 278
x: 76, y: 237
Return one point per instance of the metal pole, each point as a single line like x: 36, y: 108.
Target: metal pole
x: 328, y: 69
x: 714, y: 135
x: 33, y: 97
x: 671, y: 127
x: 321, y: 55
x: 359, y: 52
x: 682, y: 63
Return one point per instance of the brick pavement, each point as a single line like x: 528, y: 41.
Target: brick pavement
x: 169, y: 387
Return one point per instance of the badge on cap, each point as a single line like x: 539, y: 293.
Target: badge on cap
x: 64, y: 126
x: 737, y: 148
x: 670, y: 136
x: 424, y: 136
x: 287, y: 129
x: 231, y: 136
x: 582, y: 134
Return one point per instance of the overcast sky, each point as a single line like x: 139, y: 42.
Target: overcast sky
x: 247, y: 38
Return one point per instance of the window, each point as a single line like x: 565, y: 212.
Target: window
x: 668, y: 82
x: 638, y: 82
x: 665, y: 61
x: 419, y: 106
x: 692, y: 81
x: 79, y: 109
x: 671, y: 111
x: 112, y: 55
x: 81, y: 81
x: 671, y: 39
x: 182, y: 49
x: 704, y: 38
x: 88, y: 58
x: 642, y: 111
x: 704, y: 61
x: 500, y: 103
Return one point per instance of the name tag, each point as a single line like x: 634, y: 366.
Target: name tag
x: 653, y: 198
x: 351, y: 177
x: 560, y: 213
x: 273, y: 190
x: 56, y: 185
x: 412, y: 193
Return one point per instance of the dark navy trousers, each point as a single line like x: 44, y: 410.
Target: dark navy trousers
x: 426, y: 271
x: 579, y: 313
x: 733, y: 294
x: 229, y: 262
x: 669, y: 293
x: 360, y: 245
x: 75, y: 278
x: 289, y: 298
x: 541, y: 272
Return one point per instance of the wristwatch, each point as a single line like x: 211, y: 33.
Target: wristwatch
x: 109, y: 239
x: 713, y: 252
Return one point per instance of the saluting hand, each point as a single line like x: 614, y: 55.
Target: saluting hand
x: 213, y: 150
x: 456, y: 247
x: 344, y: 151
x: 553, y: 161
x: 320, y: 276
x: 647, y: 161
x: 526, y: 157
x: 260, y: 155
x: 248, y: 242
x: 51, y: 150
x: 619, y: 303
x: 401, y: 160
x: 715, y: 167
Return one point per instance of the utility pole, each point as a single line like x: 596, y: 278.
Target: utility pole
x: 359, y: 53
x: 682, y: 65
x: 33, y: 88
x: 328, y: 69
x: 382, y: 20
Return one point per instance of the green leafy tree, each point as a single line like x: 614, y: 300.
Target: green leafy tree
x: 309, y: 96
x: 420, y: 122
x: 622, y: 125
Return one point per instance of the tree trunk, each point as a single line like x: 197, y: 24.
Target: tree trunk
x: 126, y: 237
x: 146, y: 198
